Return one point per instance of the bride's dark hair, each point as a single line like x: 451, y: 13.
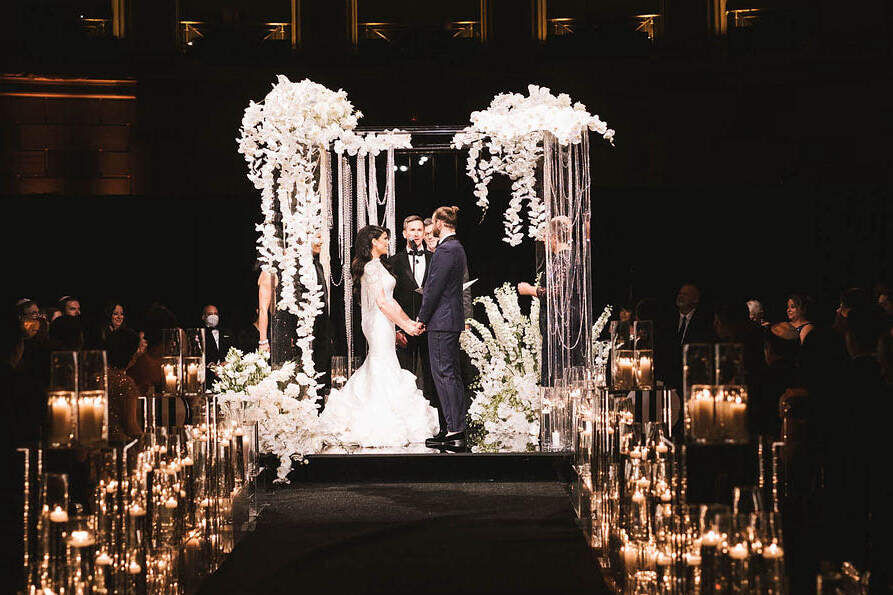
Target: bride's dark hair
x: 363, y: 254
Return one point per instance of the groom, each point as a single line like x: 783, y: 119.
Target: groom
x: 443, y: 316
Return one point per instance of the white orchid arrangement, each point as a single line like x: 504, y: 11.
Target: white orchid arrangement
x: 601, y: 350
x: 372, y: 143
x: 285, y: 140
x: 507, y: 138
x: 505, y: 411
x: 249, y: 392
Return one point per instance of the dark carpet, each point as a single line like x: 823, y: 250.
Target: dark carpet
x: 420, y: 538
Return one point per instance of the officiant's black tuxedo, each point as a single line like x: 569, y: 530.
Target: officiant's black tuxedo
x: 413, y: 357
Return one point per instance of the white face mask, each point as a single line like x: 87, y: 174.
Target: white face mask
x: 211, y: 320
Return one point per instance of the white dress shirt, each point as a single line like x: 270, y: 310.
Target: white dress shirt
x: 417, y: 265
x: 216, y: 334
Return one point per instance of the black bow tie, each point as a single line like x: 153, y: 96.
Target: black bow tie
x: 416, y: 253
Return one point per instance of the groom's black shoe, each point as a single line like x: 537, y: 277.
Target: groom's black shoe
x: 436, y: 441
x: 455, y: 441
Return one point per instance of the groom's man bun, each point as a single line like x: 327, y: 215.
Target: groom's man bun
x: 449, y: 215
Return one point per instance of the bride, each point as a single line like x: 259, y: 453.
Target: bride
x: 380, y: 404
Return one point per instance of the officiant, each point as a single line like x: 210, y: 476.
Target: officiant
x: 410, y: 267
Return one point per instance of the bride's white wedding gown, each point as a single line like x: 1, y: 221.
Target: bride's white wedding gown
x: 380, y: 405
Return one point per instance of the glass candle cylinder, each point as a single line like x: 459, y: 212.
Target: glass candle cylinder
x: 93, y: 427
x: 62, y: 399
x: 731, y: 395
x: 53, y: 526
x: 698, y: 380
x: 171, y: 361
x: 770, y: 578
x: 547, y: 418
x: 339, y: 372
x: 81, y: 554
x: 643, y: 354
x: 194, y: 361
x: 622, y: 357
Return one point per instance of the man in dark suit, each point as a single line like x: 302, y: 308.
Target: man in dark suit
x: 410, y: 267
x: 443, y: 315
x: 217, y: 340
x: 692, y: 324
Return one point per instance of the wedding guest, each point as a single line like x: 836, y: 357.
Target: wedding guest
x: 757, y: 313
x: 626, y: 314
x: 797, y: 310
x: 123, y: 349
x: 430, y: 239
x: 146, y: 370
x: 70, y: 306
x: 19, y: 387
x: 410, y: 267
x: 690, y: 325
x: 885, y: 303
x: 248, y: 339
x: 67, y: 334
x: 51, y: 313
x: 217, y: 340
x: 112, y: 321
x: 852, y: 298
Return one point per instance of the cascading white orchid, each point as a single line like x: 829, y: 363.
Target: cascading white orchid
x: 505, y: 410
x: 282, y: 140
x: 511, y: 130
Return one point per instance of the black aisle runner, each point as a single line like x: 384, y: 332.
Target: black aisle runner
x: 419, y: 538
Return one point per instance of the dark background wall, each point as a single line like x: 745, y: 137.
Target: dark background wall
x: 754, y: 164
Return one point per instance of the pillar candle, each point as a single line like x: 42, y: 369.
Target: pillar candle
x: 61, y: 417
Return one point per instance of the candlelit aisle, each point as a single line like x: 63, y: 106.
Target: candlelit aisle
x: 507, y: 537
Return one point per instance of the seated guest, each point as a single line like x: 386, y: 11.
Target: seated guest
x: 146, y: 370
x: 852, y: 298
x: 18, y: 387
x: 625, y: 314
x: 756, y: 313
x: 122, y: 348
x: 50, y: 313
x: 111, y: 322
x: 70, y: 306
x: 798, y: 325
x: 67, y: 334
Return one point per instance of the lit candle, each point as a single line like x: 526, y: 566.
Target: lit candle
x: 103, y: 559
x: 170, y: 379
x: 772, y: 552
x: 666, y: 496
x: 91, y: 415
x: 701, y: 411
x: 186, y: 461
x: 170, y: 503
x: 661, y: 448
x: 693, y: 559
x: 630, y: 557
x: 663, y: 559
x: 635, y: 453
x: 61, y: 418
x: 81, y: 539
x: 624, y: 374
x: 739, y: 551
x: 134, y: 568
x: 644, y: 374
x: 642, y: 483
x: 111, y: 487
x: 638, y: 497
x: 711, y: 538
x: 58, y: 515
x: 137, y: 510
x: 556, y: 439
x: 192, y: 376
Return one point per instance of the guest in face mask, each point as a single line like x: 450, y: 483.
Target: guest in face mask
x: 218, y: 340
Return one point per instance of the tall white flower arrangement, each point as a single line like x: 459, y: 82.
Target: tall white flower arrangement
x: 283, y: 139
x: 601, y: 350
x: 507, y: 138
x: 505, y: 410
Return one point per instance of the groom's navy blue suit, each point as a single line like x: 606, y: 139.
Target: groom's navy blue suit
x: 443, y: 315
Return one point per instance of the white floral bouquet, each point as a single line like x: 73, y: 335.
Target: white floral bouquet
x: 249, y: 391
x: 505, y: 412
x: 510, y: 132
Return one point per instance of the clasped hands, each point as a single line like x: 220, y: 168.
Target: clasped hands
x: 413, y: 327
